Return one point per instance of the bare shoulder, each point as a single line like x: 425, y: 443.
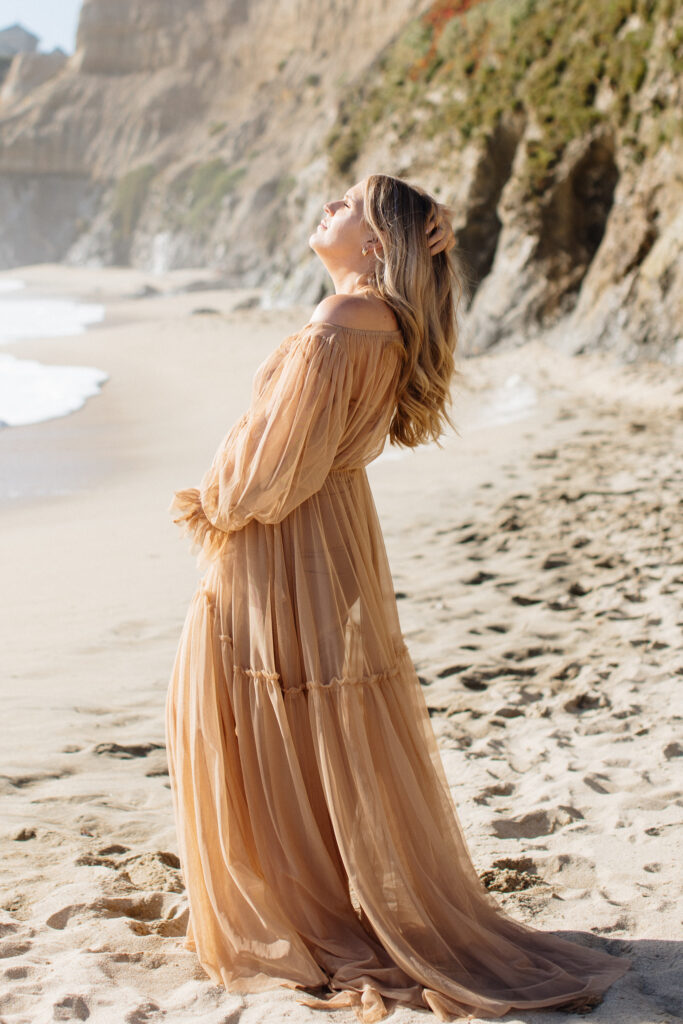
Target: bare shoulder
x: 365, y: 313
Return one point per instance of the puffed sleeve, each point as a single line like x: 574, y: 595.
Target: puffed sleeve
x: 280, y: 451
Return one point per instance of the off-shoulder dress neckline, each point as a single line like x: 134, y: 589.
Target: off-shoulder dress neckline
x: 355, y: 330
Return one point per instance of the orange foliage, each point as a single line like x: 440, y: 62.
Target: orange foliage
x: 437, y: 17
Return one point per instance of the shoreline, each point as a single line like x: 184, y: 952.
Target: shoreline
x: 57, y: 449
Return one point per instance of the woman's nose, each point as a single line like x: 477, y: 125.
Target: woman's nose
x: 326, y: 208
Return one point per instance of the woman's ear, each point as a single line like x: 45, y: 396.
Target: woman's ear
x: 372, y: 244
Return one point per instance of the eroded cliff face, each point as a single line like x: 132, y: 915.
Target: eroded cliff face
x: 192, y: 122
x: 27, y: 72
x: 211, y: 132
x: 596, y: 262
x: 554, y: 132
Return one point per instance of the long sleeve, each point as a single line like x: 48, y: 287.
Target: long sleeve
x: 281, y: 450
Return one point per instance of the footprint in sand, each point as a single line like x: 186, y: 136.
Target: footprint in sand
x: 469, y: 537
x: 13, y: 948
x: 535, y: 824
x: 24, y: 834
x: 473, y: 681
x: 531, y: 652
x: 571, y: 870
x: 480, y: 577
x: 509, y: 711
x: 158, y: 870
x: 127, y: 751
x: 144, y: 913
x: 527, y: 696
x: 496, y: 790
x: 600, y: 783
x: 70, y: 1007
x: 16, y: 973
x: 569, y: 671
x: 622, y: 924
x: 452, y: 670
x: 9, y: 783
x: 657, y: 830
x: 586, y: 701
x: 141, y: 1014
x: 556, y: 561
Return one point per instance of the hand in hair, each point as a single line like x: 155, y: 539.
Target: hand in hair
x: 440, y: 233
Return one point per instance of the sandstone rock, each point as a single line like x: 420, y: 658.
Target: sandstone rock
x: 27, y: 72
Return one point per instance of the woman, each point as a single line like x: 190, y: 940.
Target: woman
x: 318, y: 840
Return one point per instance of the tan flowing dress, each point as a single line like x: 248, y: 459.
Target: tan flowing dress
x: 318, y: 838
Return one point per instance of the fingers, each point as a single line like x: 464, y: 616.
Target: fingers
x: 434, y: 230
x: 450, y: 240
x: 440, y: 236
x: 439, y: 232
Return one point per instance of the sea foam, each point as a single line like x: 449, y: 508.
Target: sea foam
x: 30, y: 391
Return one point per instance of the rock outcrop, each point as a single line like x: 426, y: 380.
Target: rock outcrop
x: 200, y: 126
x: 211, y: 132
x: 27, y: 72
x: 554, y: 133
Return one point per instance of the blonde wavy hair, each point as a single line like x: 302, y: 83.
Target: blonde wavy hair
x: 425, y: 292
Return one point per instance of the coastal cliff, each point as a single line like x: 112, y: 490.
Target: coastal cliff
x: 211, y: 133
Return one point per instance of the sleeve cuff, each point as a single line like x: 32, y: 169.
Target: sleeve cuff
x: 192, y: 520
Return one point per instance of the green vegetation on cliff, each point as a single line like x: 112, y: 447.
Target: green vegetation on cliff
x: 459, y: 67
x: 4, y: 67
x: 195, y: 196
x: 199, y: 191
x: 130, y: 195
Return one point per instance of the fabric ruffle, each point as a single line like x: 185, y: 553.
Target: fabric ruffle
x: 207, y: 540
x: 260, y: 675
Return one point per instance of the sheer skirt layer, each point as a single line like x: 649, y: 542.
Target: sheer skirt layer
x: 318, y: 838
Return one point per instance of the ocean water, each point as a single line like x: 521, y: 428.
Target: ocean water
x: 31, y: 391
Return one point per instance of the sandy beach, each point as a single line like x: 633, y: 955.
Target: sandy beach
x: 538, y: 566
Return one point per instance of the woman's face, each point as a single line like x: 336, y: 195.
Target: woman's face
x: 342, y: 232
